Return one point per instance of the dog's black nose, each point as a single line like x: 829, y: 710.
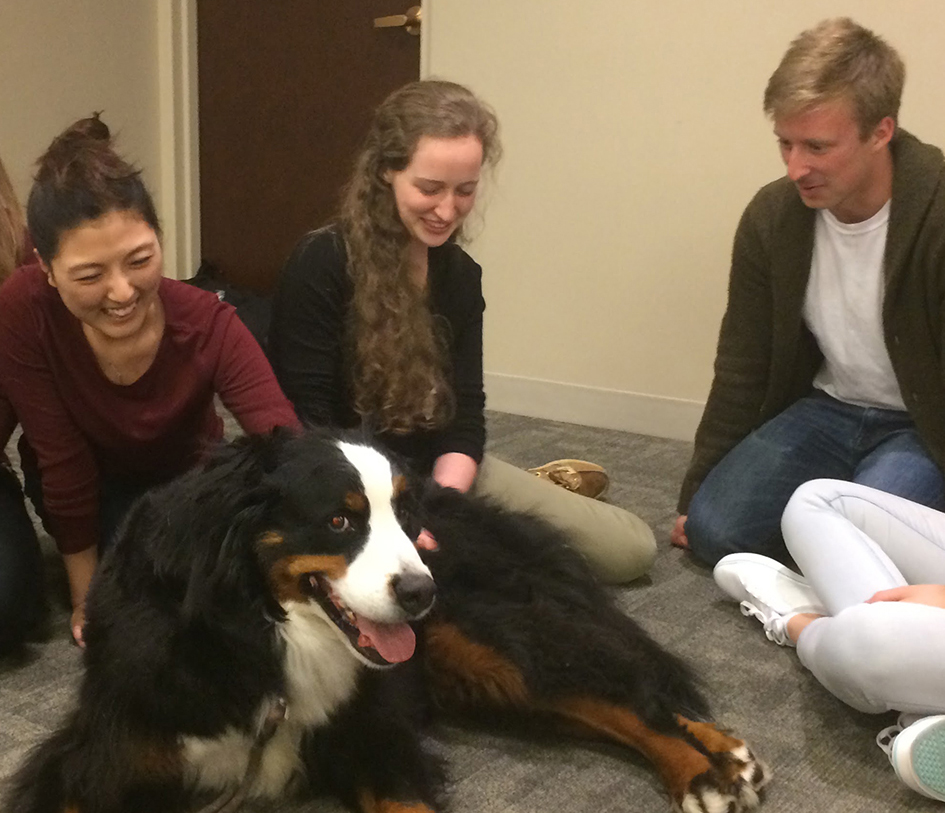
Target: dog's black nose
x: 414, y: 592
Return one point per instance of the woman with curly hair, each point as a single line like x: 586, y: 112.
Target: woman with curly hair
x: 111, y: 368
x: 377, y: 319
x: 15, y: 244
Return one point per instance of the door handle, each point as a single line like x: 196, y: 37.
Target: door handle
x: 409, y: 21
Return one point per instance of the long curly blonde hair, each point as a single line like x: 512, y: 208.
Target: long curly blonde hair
x: 12, y: 226
x: 401, y: 368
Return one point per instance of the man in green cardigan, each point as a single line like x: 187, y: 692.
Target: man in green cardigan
x: 829, y: 359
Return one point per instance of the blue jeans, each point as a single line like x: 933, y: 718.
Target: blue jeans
x: 738, y: 507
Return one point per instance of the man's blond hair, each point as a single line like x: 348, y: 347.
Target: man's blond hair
x: 838, y: 59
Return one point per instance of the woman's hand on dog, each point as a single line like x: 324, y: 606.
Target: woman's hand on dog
x: 77, y: 624
x: 80, y: 567
x: 455, y: 470
x: 425, y: 540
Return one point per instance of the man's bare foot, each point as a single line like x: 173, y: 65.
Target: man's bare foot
x: 678, y: 535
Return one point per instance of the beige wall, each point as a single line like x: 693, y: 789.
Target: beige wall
x: 61, y: 60
x: 634, y: 137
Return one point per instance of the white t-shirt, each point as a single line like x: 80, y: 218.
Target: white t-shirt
x: 844, y: 310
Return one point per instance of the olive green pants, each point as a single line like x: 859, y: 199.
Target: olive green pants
x: 618, y: 545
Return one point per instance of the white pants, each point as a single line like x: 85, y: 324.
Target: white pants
x: 851, y: 541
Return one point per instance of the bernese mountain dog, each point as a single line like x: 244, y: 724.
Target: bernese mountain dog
x: 265, y: 624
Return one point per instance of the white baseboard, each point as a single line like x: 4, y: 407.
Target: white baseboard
x: 592, y: 406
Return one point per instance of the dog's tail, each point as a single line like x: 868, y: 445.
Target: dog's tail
x: 42, y: 783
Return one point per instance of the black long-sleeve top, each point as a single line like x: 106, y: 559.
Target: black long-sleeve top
x: 308, y: 348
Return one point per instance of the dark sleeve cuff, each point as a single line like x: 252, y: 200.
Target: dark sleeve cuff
x: 74, y: 534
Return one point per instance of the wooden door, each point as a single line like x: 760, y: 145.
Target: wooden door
x: 286, y: 89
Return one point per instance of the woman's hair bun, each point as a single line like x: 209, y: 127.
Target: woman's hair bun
x: 92, y: 128
x: 83, y: 134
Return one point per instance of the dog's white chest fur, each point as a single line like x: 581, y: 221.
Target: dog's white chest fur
x: 321, y: 674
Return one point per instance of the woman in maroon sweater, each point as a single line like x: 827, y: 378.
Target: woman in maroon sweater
x: 111, y: 368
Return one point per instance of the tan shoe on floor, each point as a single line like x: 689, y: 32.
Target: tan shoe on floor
x: 579, y: 476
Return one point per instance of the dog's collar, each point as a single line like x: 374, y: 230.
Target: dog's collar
x: 275, y: 715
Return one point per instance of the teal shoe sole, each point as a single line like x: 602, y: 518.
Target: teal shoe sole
x: 928, y: 760
x: 923, y: 767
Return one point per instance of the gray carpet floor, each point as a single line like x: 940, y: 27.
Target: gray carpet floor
x: 822, y: 753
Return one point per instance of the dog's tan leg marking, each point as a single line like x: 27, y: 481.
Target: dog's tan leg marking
x: 677, y: 762
x: 462, y: 670
x: 150, y: 760
x: 400, y: 484
x: 713, y: 739
x: 153, y: 759
x: 369, y: 803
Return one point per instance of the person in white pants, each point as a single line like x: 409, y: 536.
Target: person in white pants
x: 868, y: 614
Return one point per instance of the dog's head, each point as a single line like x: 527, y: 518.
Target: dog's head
x: 337, y: 538
x: 271, y: 524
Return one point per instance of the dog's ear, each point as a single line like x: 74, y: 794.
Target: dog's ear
x: 273, y: 446
x: 264, y: 451
x: 234, y: 570
x: 237, y: 502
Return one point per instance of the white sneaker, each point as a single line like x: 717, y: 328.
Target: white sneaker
x: 916, y: 749
x: 768, y: 591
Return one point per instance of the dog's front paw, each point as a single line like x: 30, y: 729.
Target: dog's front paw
x: 731, y: 785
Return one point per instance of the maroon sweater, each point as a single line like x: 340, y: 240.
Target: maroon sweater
x: 81, y: 426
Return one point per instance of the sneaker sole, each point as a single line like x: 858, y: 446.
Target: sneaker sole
x: 918, y: 755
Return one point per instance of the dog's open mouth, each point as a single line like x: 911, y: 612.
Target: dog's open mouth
x: 380, y: 644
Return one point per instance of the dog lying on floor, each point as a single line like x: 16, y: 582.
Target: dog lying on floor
x: 265, y: 622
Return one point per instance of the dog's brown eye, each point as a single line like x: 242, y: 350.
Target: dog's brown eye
x: 340, y: 523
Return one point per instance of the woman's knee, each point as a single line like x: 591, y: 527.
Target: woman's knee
x: 623, y: 555
x: 812, y: 496
x: 815, y: 494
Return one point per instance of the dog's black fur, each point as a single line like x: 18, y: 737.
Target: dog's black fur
x: 183, y: 640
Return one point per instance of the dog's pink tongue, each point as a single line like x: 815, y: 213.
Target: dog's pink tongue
x: 394, y: 642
